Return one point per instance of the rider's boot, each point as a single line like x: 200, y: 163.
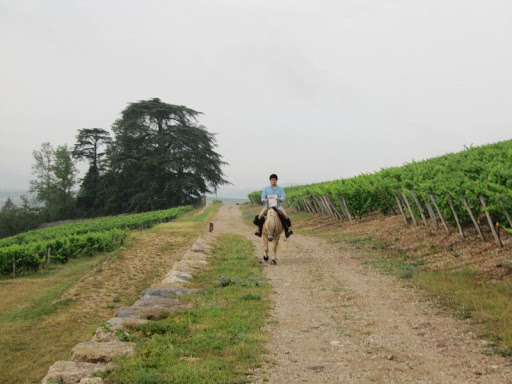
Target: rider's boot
x: 287, y: 224
x: 259, y: 222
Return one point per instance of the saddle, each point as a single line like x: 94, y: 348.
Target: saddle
x: 284, y: 221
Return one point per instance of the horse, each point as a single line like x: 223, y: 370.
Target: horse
x: 272, y: 229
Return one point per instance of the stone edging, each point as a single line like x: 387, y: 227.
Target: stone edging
x: 96, y: 355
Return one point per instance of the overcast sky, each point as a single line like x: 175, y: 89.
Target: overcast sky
x: 310, y: 90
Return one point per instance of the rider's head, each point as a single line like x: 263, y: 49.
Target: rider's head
x: 273, y: 179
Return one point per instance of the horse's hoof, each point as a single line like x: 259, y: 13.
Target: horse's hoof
x: 273, y: 262
x: 265, y: 258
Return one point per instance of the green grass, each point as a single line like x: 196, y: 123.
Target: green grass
x: 469, y: 295
x: 218, y: 340
x: 214, y: 207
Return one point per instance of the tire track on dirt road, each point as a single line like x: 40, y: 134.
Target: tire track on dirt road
x: 337, y: 321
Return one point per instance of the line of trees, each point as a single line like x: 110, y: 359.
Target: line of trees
x: 159, y: 157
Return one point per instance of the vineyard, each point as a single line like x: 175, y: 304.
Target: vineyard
x: 465, y: 188
x: 31, y: 250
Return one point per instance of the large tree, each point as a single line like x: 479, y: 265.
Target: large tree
x: 55, y: 176
x: 90, y: 147
x: 65, y: 173
x: 44, y: 183
x: 161, y: 157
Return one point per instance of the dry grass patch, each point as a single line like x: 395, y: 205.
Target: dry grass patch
x: 43, y: 316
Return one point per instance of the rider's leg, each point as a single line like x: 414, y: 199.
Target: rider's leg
x: 287, y: 223
x: 263, y: 212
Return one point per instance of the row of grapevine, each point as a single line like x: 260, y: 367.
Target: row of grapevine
x: 475, y: 174
x: 31, y: 250
x: 128, y: 222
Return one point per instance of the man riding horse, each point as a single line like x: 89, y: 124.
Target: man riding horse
x: 271, y: 197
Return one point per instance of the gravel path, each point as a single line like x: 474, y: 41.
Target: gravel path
x: 337, y: 321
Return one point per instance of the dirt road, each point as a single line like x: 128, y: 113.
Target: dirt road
x: 337, y: 321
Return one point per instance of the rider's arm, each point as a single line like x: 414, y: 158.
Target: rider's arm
x: 264, y: 195
x: 280, y: 194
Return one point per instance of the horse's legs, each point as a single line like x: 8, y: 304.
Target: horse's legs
x: 276, y: 242
x: 265, y: 247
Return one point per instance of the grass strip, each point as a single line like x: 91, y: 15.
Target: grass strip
x: 219, y: 339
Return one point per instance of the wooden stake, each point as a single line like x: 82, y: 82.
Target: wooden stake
x: 401, y: 209
x: 48, y: 255
x: 322, y: 206
x: 470, y: 212
x: 346, y: 208
x: 328, y: 206
x: 13, y: 268
x: 432, y: 216
x: 440, y: 214
x: 454, y: 212
x: 491, y: 224
x: 506, y: 213
x: 390, y: 206
x: 410, y: 209
x: 343, y: 210
x: 420, y: 208
x: 334, y: 209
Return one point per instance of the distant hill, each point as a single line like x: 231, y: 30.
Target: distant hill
x: 226, y: 200
x: 14, y: 194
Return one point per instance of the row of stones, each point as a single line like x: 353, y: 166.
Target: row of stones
x: 159, y: 301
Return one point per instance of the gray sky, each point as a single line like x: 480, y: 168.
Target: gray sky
x: 310, y: 90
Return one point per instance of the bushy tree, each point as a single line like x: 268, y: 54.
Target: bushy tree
x: 161, y: 157
x: 89, y: 147
x: 14, y: 220
x: 55, y: 176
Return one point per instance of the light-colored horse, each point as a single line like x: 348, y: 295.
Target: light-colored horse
x: 272, y: 230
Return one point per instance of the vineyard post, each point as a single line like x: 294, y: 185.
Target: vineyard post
x: 420, y: 208
x: 336, y: 212
x: 342, y: 206
x: 48, y: 255
x: 346, y: 208
x: 452, y: 207
x: 432, y: 215
x: 506, y: 213
x: 329, y: 210
x: 315, y: 204
x: 491, y: 224
x: 324, y: 204
x: 14, y: 267
x: 470, y: 212
x: 410, y: 209
x: 401, y: 209
x: 333, y: 207
x: 309, y: 206
x: 440, y: 214
x: 390, y: 206
x: 319, y: 204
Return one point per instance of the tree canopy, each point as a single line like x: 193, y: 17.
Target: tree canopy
x: 161, y: 157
